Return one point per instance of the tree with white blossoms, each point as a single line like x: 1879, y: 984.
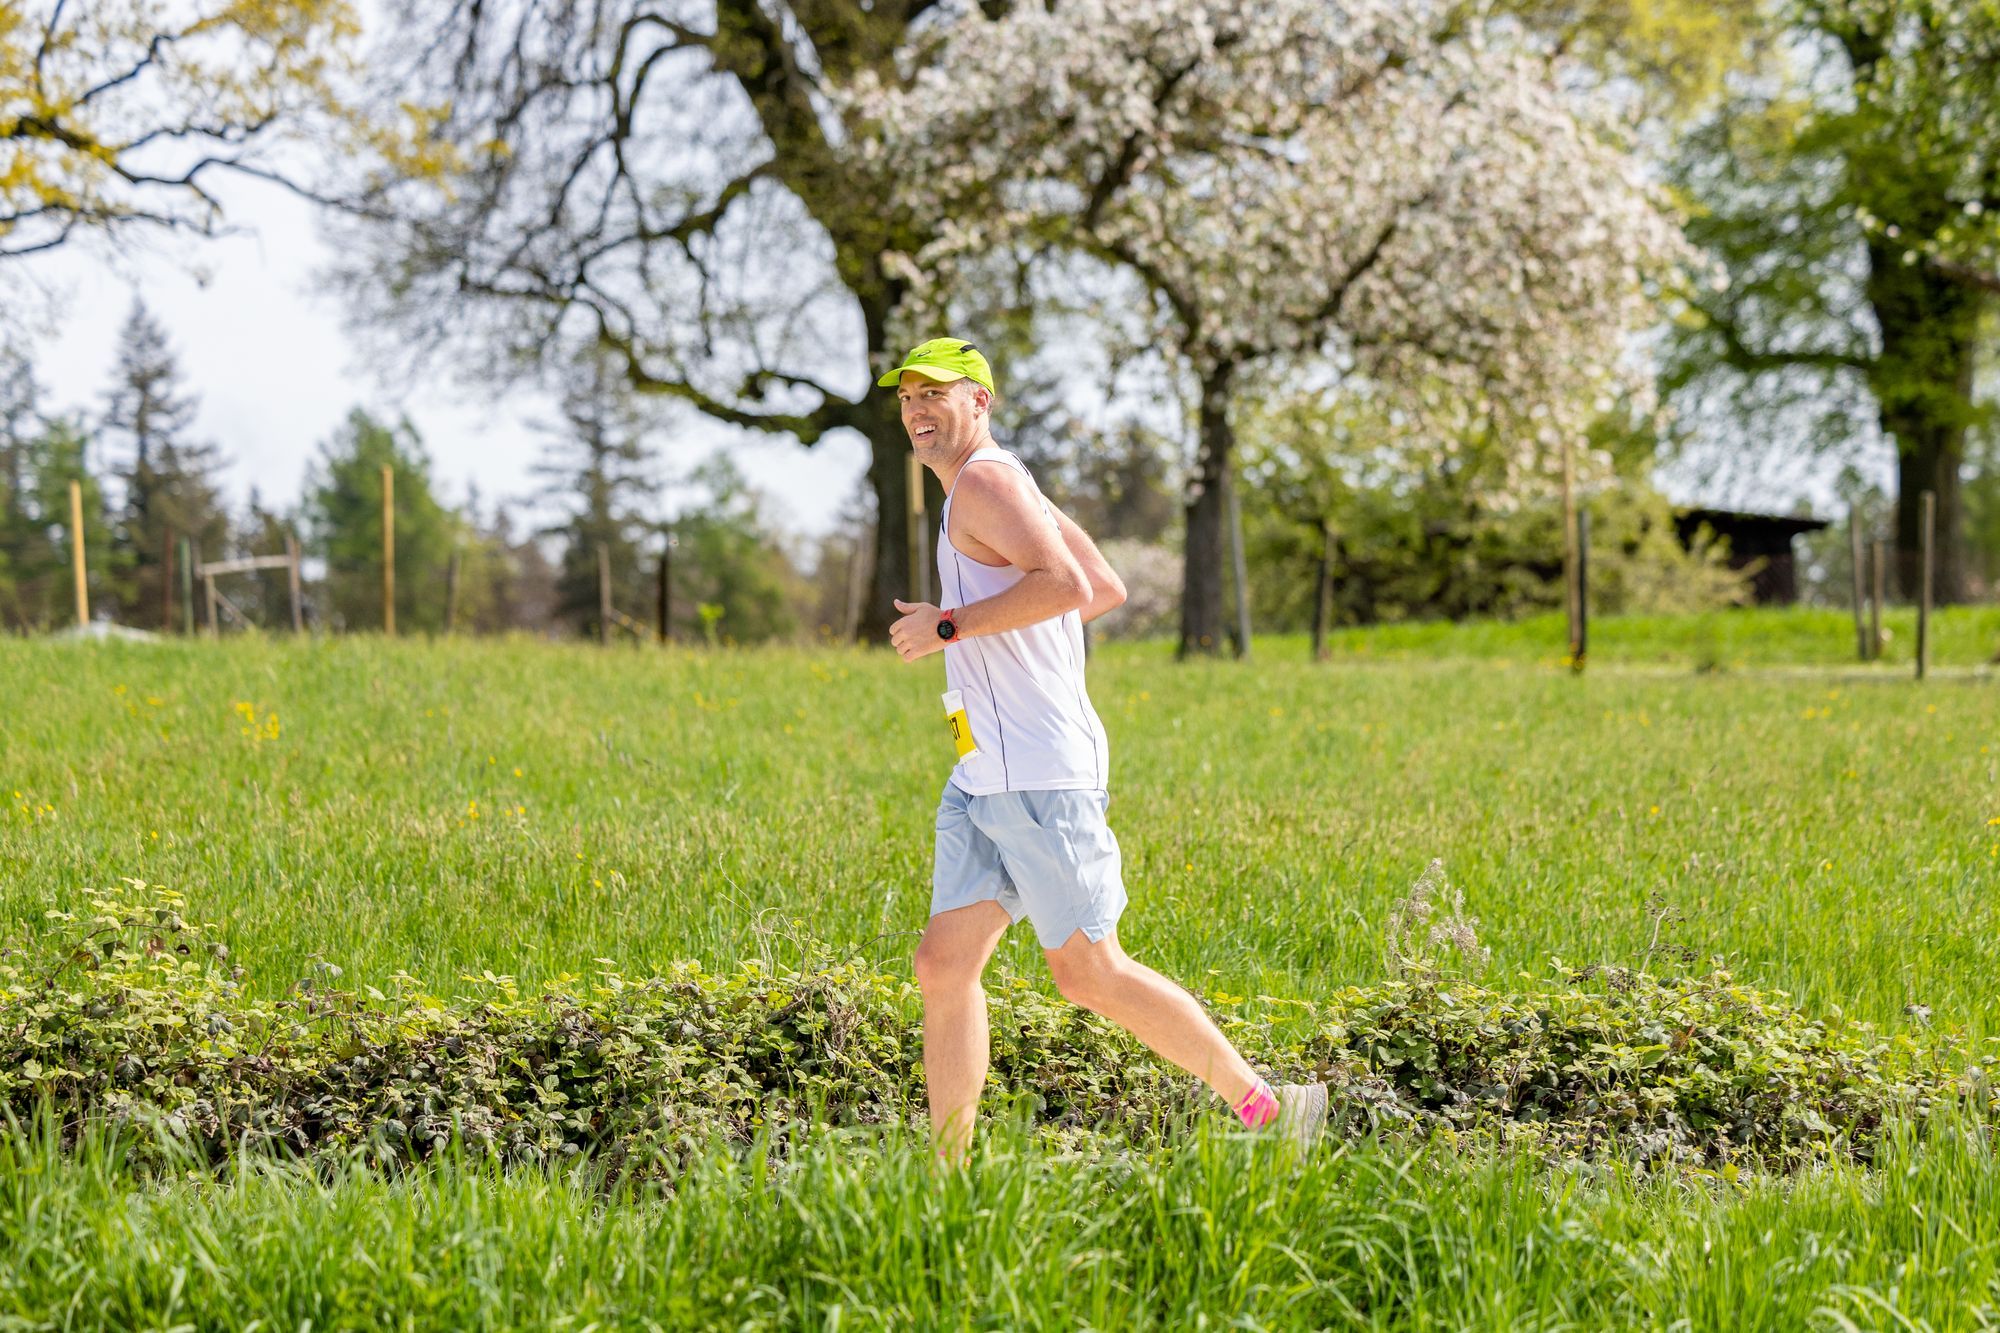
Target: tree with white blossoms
x: 1365, y: 189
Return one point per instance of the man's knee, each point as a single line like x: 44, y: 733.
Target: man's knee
x: 1085, y: 978
x: 944, y: 965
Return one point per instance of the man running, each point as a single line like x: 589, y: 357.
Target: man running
x: 1020, y: 827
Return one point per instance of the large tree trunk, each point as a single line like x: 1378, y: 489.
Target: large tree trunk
x: 1923, y: 384
x: 880, y: 420
x: 888, y: 477
x: 1932, y: 465
x: 1201, y: 583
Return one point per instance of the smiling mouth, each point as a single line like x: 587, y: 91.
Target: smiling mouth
x: 923, y: 432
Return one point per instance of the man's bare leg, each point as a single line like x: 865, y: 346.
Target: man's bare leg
x: 950, y: 959
x: 1102, y: 978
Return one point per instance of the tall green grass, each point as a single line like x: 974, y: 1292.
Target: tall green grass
x: 1965, y: 638
x: 859, y: 1231
x: 455, y: 807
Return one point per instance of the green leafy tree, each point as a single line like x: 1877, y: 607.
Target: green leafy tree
x: 732, y: 583
x: 1856, y: 208
x: 1423, y: 538
x: 167, y: 479
x: 509, y: 581
x: 38, y: 592
x: 343, y: 515
x: 1982, y: 513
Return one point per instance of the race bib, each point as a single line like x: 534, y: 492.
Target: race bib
x: 960, y: 724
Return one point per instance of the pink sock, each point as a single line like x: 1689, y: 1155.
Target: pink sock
x: 1259, y: 1106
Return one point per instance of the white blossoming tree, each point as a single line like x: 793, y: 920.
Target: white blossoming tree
x: 1364, y: 189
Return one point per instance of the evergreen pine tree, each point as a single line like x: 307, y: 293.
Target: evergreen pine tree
x: 342, y: 513
x: 21, y: 427
x: 41, y: 596
x: 167, y: 480
x: 596, y: 465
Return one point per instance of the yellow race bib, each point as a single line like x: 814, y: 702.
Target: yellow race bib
x: 960, y: 724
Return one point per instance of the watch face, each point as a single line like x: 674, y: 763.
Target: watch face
x: 947, y: 629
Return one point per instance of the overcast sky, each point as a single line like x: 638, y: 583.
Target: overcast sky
x: 275, y: 372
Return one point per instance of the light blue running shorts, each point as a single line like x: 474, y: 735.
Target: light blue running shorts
x: 1046, y: 855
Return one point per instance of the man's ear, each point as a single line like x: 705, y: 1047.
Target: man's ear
x: 983, y: 397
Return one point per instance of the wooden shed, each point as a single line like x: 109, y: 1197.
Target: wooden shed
x: 1766, y: 537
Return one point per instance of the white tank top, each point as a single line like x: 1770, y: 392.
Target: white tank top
x: 1023, y: 688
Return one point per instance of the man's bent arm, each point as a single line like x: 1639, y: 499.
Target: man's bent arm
x: 1042, y: 594
x: 1107, y: 590
x: 999, y: 511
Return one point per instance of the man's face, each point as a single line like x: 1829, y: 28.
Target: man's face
x: 940, y: 418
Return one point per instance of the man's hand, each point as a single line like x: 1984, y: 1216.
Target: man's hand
x: 915, y: 635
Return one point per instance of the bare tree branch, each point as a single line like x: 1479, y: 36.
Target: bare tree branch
x: 1740, y: 355
x: 153, y: 48
x: 1985, y: 279
x: 808, y: 427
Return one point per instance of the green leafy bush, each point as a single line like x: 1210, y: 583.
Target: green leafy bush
x: 134, y: 1013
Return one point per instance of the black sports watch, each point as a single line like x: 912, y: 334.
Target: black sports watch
x: 947, y: 627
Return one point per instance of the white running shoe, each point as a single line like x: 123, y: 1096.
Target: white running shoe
x: 1301, y: 1112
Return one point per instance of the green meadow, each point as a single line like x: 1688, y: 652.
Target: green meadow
x: 1734, y: 784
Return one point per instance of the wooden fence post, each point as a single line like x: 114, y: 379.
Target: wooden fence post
x: 1238, y: 574
x: 1571, y: 613
x: 1860, y: 597
x: 187, y: 587
x: 76, y: 553
x: 388, y: 549
x: 1881, y: 572
x: 1323, y: 602
x: 603, y: 595
x: 920, y: 569
x: 292, y: 584
x: 167, y: 582
x: 1582, y: 650
x: 664, y: 595
x: 856, y: 571
x: 451, y: 593
x: 1928, y: 536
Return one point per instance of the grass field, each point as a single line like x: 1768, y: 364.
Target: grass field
x: 453, y: 807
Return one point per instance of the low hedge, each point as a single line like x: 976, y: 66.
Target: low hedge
x: 133, y: 1012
